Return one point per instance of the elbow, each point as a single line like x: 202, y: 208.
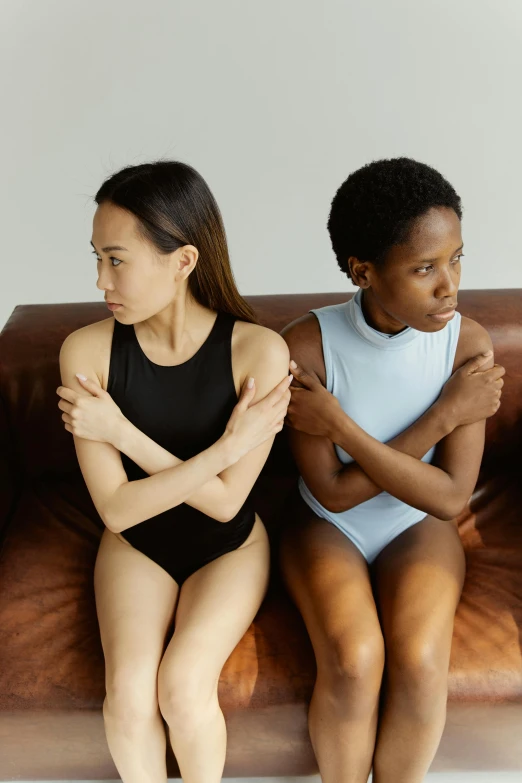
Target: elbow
x: 230, y: 508
x: 111, y: 512
x: 110, y: 525
x: 444, y: 513
x: 331, y: 494
x: 226, y: 513
x: 451, y: 508
x: 456, y: 508
x: 110, y: 522
x: 332, y: 505
x: 331, y: 501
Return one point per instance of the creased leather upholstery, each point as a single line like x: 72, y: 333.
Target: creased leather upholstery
x: 51, y: 663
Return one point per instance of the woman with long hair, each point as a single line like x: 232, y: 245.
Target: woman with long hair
x: 173, y: 403
x: 392, y: 390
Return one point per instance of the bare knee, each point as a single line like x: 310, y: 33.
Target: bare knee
x: 131, y: 696
x: 351, y: 667
x: 418, y: 669
x: 185, y: 695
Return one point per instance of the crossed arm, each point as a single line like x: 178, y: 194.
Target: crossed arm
x: 216, y: 482
x: 441, y: 489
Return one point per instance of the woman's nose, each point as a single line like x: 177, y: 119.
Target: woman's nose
x: 447, y: 284
x: 104, y: 282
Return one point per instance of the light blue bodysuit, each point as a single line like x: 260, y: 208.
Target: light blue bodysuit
x: 384, y: 383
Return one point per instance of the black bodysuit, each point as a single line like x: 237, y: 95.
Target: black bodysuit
x: 184, y: 408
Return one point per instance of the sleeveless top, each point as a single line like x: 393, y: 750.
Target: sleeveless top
x: 384, y: 383
x: 184, y: 408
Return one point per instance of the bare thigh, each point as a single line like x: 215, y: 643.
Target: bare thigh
x: 418, y: 583
x: 216, y: 606
x: 329, y: 581
x: 135, y: 603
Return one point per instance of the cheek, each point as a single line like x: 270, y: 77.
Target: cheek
x: 409, y: 299
x: 158, y: 288
x: 126, y: 286
x: 424, y: 284
x: 402, y: 292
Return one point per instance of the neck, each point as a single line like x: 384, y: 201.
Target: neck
x: 183, y: 321
x: 376, y: 317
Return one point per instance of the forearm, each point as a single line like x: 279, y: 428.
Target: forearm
x: 211, y: 498
x: 135, y: 501
x: 352, y: 485
x: 401, y: 472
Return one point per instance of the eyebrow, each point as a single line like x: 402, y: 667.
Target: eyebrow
x: 432, y: 260
x: 110, y: 248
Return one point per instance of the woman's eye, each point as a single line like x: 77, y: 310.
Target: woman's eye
x: 98, y: 260
x: 457, y: 258
x: 424, y: 268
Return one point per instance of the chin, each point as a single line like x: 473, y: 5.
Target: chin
x: 122, y: 316
x: 435, y: 327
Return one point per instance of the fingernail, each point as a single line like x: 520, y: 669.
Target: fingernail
x: 250, y: 384
x: 293, y: 365
x: 80, y: 376
x: 290, y: 379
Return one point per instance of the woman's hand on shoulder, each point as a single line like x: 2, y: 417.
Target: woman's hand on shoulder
x: 251, y: 424
x: 89, y: 412
x: 473, y: 392
x: 312, y: 410
x: 100, y: 462
x: 259, y: 353
x: 261, y: 360
x: 92, y: 417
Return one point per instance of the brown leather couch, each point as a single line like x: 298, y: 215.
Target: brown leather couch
x: 51, y: 663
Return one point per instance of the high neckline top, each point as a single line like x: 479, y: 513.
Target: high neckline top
x: 381, y: 340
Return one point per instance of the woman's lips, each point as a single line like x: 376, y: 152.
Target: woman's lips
x: 442, y: 317
x: 113, y: 306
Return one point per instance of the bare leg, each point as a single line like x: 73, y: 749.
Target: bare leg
x: 216, y: 606
x: 419, y: 578
x: 135, y: 601
x: 329, y: 581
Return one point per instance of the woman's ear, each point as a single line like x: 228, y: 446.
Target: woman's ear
x: 359, y: 272
x: 187, y: 260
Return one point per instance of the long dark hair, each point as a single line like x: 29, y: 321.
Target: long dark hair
x: 174, y: 207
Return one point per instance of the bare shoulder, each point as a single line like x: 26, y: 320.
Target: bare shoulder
x: 258, y: 341
x: 303, y: 337
x: 90, y: 349
x: 473, y: 340
x: 260, y: 353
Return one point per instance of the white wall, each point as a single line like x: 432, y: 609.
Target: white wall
x: 275, y: 102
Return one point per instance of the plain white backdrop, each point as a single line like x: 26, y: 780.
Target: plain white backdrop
x: 274, y: 103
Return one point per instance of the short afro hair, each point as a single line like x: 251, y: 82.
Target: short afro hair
x: 376, y: 206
